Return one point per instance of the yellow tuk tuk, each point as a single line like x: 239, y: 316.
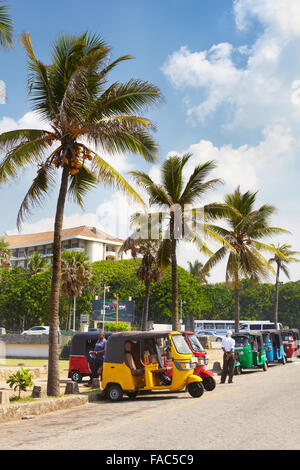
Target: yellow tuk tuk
x: 134, y: 361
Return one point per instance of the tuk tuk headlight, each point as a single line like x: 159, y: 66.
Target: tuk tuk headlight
x: 194, y: 359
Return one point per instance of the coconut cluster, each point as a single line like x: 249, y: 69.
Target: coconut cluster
x: 75, y: 162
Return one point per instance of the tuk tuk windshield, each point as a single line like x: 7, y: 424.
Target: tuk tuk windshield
x: 180, y: 344
x: 195, y: 344
x: 286, y: 336
x: 267, y: 337
x: 241, y: 341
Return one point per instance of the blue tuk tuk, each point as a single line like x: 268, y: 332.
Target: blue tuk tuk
x: 274, y: 346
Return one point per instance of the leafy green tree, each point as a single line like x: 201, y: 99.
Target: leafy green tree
x: 6, y: 26
x: 283, y: 256
x: 247, y: 226
x: 172, y: 196
x: 72, y: 96
x: 4, y: 254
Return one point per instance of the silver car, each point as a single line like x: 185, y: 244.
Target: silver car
x: 212, y: 335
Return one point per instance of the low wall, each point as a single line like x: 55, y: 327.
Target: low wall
x: 28, y: 346
x: 21, y: 410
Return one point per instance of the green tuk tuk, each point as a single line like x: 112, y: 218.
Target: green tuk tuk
x: 249, y: 351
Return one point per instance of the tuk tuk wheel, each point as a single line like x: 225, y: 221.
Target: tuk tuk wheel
x: 209, y: 383
x: 265, y: 367
x: 131, y: 394
x: 76, y: 376
x: 195, y: 389
x: 283, y: 360
x: 237, y: 370
x: 114, y: 392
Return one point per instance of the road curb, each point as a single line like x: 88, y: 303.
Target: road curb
x: 42, y: 406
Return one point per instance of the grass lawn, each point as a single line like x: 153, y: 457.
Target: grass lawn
x: 63, y: 365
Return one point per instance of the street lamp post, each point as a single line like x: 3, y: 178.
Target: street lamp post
x: 181, y: 302
x: 106, y: 288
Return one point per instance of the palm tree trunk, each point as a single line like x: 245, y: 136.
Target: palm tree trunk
x: 53, y: 362
x: 145, y: 313
x: 276, y: 297
x: 236, y: 303
x: 69, y: 314
x: 175, y: 318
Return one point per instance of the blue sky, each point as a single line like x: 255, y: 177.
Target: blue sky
x: 226, y: 70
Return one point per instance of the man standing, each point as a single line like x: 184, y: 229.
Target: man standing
x: 228, y: 358
x: 98, y: 356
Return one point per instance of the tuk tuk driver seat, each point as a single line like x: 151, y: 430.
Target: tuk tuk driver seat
x: 129, y: 360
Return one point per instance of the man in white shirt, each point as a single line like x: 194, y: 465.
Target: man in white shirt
x: 228, y: 344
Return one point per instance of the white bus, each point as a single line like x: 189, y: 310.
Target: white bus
x: 215, y: 325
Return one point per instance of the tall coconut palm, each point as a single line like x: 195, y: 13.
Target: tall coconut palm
x: 195, y: 269
x: 86, y: 117
x: 149, y: 271
x: 283, y: 256
x: 36, y: 263
x: 75, y: 271
x: 173, y: 195
x: 246, y: 227
x: 6, y: 26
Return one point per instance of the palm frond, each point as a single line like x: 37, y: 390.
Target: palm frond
x: 6, y: 27
x: 43, y: 182
x: 81, y: 184
x: 22, y: 154
x: 110, y: 177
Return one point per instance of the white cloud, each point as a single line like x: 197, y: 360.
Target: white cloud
x: 30, y: 120
x: 259, y: 92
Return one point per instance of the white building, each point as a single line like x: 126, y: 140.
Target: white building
x: 97, y: 244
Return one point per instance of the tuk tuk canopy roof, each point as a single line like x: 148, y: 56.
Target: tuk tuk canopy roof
x: 276, y: 333
x: 115, y: 346
x: 80, y: 341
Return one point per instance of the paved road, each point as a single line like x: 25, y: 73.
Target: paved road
x: 260, y: 410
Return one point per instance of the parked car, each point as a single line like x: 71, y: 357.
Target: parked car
x: 213, y: 336
x: 37, y: 330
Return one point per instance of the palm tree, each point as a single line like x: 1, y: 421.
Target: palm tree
x: 283, y: 256
x: 4, y: 254
x: 6, y: 27
x: 36, y: 263
x: 173, y: 195
x: 246, y: 228
x: 149, y: 270
x: 72, y: 96
x: 195, y: 269
x: 75, y: 271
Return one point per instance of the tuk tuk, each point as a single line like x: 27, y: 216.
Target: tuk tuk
x: 134, y: 362
x: 249, y: 351
x: 291, y: 342
x: 207, y: 377
x: 80, y: 361
x: 274, y: 346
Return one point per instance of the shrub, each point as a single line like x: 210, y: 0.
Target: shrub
x: 120, y: 326
x: 20, y: 380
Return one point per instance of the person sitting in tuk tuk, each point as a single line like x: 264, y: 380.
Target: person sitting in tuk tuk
x: 129, y: 359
